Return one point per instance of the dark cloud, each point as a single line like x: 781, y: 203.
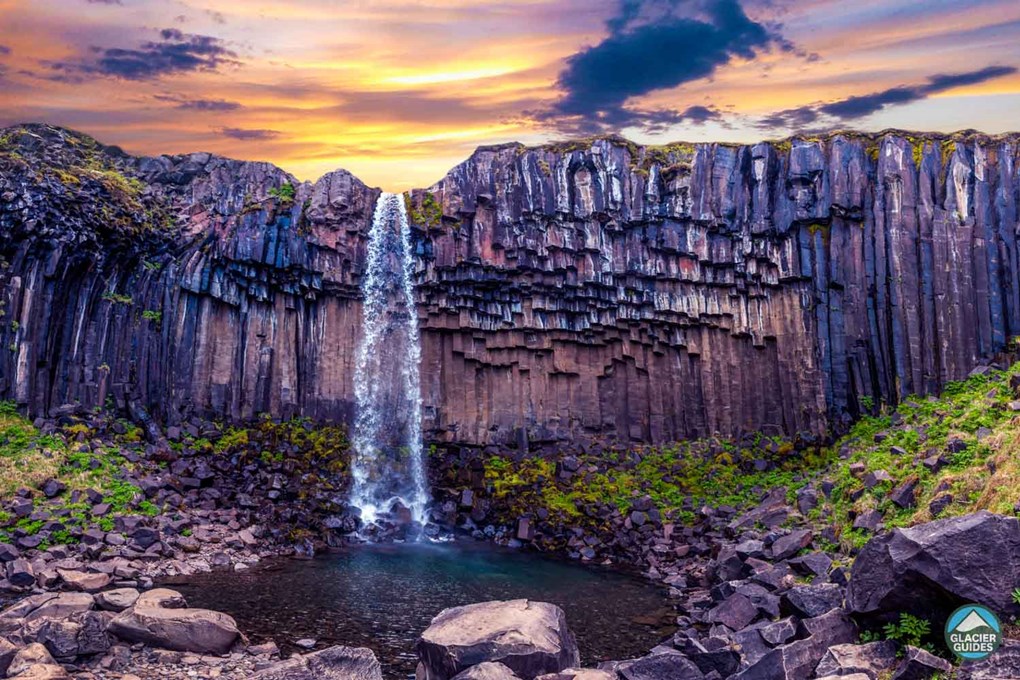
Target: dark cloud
x: 5, y: 50
x: 198, y: 104
x: 249, y: 135
x: 860, y: 106
x: 174, y: 53
x: 655, y: 45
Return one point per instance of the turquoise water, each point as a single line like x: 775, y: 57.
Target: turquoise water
x: 384, y: 596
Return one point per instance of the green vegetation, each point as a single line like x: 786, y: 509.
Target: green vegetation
x: 970, y: 438
x: 427, y: 214
x: 677, y: 478
x: 910, y: 630
x: 117, y: 298
x: 152, y: 315
x: 285, y: 193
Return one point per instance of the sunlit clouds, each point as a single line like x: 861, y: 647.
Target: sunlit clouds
x: 398, y: 91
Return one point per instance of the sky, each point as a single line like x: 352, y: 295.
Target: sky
x: 399, y: 91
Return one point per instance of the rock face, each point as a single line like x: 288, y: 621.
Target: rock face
x: 932, y: 568
x: 529, y: 638
x: 595, y: 288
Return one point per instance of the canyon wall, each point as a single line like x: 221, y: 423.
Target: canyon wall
x: 596, y: 288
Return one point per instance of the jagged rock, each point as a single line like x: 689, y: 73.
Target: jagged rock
x: 332, y: 663
x: 812, y: 600
x: 531, y: 638
x: 787, y: 546
x: 664, y: 666
x: 7, y: 652
x: 923, y: 569
x: 1004, y: 663
x: 488, y: 671
x: 871, y: 659
x: 917, y: 664
x: 186, y: 630
x: 798, y: 659
x: 735, y: 612
x: 34, y: 661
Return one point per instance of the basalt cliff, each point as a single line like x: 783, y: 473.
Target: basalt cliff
x: 581, y: 290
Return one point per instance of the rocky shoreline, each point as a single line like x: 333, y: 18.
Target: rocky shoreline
x: 759, y: 593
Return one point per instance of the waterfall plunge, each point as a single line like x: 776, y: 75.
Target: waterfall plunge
x: 388, y: 465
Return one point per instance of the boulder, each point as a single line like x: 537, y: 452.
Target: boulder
x: 665, y: 666
x: 812, y: 600
x: 929, y: 569
x: 117, y: 600
x: 579, y: 674
x: 490, y: 670
x: 530, y: 638
x: 1004, y: 663
x: 32, y: 656
x: 918, y: 664
x: 152, y: 621
x: 871, y: 659
x: 84, y: 582
x: 7, y: 652
x: 735, y: 612
x: 787, y: 546
x: 332, y: 663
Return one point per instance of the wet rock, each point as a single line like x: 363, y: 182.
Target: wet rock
x: 531, y: 638
x: 332, y: 663
x: 917, y: 570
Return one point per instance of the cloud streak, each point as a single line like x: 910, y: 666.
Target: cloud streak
x: 175, y: 53
x: 861, y: 106
x: 198, y: 104
x: 249, y: 135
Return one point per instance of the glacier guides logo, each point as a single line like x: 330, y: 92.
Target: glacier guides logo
x: 973, y: 632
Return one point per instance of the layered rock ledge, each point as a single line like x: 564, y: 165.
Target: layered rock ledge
x: 596, y: 288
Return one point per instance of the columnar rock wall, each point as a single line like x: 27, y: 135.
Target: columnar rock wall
x: 591, y: 289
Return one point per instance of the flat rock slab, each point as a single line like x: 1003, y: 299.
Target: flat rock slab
x: 490, y: 670
x: 184, y: 630
x: 530, y: 638
x: 579, y: 674
x: 332, y: 663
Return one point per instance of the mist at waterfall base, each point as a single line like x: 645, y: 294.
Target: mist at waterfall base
x: 389, y: 483
x: 383, y: 595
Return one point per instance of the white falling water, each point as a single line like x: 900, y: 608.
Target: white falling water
x: 388, y: 467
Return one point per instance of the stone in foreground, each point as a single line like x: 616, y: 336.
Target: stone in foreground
x: 332, y: 663
x: 579, y: 674
x: 490, y: 670
x: 152, y: 622
x: 530, y: 638
x: 1004, y: 663
x: 932, y: 568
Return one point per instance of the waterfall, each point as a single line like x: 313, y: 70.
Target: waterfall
x: 388, y: 468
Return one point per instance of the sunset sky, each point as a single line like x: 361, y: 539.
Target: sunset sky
x: 398, y: 91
